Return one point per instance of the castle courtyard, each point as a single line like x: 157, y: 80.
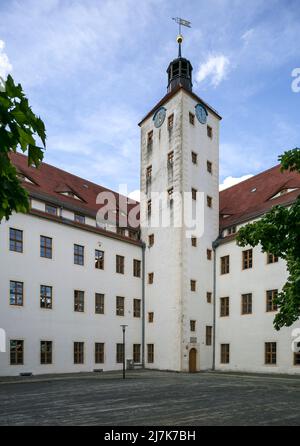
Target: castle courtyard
x: 152, y: 398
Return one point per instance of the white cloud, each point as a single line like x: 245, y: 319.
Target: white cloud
x: 231, y: 181
x: 135, y: 195
x: 5, y: 65
x: 216, y: 68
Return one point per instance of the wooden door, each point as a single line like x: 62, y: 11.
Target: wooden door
x: 193, y: 360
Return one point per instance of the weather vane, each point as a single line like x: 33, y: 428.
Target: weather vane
x: 181, y: 22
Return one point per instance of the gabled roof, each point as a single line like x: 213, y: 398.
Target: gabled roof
x: 50, y: 182
x: 255, y: 196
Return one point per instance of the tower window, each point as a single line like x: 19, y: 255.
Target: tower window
x: 150, y: 278
x: 193, y: 285
x: 194, y: 241
x: 209, y: 166
x: 150, y: 317
x: 193, y: 325
x: 192, y: 118
x: 150, y: 138
x: 209, y: 132
x: 194, y: 194
x: 208, y: 297
x: 209, y: 254
x: 170, y: 196
x: 194, y: 157
x: 149, y: 208
x: 170, y: 160
x: 170, y: 121
x: 151, y: 240
x: 209, y: 201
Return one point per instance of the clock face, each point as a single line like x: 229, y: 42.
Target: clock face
x: 159, y: 117
x: 201, y: 113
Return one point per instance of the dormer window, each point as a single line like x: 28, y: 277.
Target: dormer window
x: 71, y: 194
x: 50, y: 209
x: 23, y: 177
x: 284, y: 192
x: 79, y: 218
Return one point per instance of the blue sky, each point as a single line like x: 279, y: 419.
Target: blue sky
x: 93, y: 68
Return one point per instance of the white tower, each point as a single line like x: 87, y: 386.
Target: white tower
x: 179, y: 156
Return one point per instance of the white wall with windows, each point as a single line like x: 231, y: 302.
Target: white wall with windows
x: 61, y: 324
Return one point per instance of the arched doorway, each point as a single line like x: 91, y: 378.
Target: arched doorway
x: 193, y: 360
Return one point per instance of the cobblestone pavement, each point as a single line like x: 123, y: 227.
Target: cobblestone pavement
x: 151, y: 398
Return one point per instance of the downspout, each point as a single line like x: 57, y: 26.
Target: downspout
x: 214, y: 245
x: 143, y: 304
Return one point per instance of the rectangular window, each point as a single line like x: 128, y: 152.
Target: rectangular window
x: 49, y: 209
x: 149, y: 206
x: 209, y: 201
x: 247, y: 303
x: 150, y: 278
x: 120, y: 353
x: 247, y: 259
x: 296, y: 358
x: 193, y: 285
x: 209, y: 132
x: 231, y: 230
x: 79, y: 218
x: 225, y: 353
x: 225, y: 265
x: 271, y: 258
x: 136, y: 268
x: 194, y: 157
x: 16, y: 293
x: 271, y: 296
x: 224, y: 306
x: 136, y: 308
x: 99, y: 259
x: 15, y: 240
x: 151, y: 240
x: 209, y: 166
x: 137, y: 353
x: 99, y: 303
x: 78, y: 255
x: 120, y: 260
x: 46, y: 296
x: 194, y: 241
x: 170, y: 159
x: 120, y: 306
x: 170, y: 195
x: 46, y: 352
x: 99, y: 352
x: 270, y: 353
x: 16, y: 352
x: 121, y: 231
x: 150, y: 139
x: 193, y: 325
x: 194, y: 194
x: 78, y: 352
x: 149, y: 173
x: 46, y: 247
x: 208, y: 335
x: 209, y: 297
x: 192, y: 118
x: 150, y: 353
x: 150, y: 317
x: 209, y: 254
x: 79, y: 301
x: 170, y: 121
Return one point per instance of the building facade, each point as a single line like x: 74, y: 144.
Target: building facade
x: 190, y: 298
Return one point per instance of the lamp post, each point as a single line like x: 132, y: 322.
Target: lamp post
x: 124, y: 329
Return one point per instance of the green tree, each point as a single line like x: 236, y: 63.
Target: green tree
x: 278, y: 232
x: 19, y: 127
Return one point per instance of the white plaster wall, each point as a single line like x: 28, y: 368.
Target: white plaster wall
x: 247, y: 334
x: 62, y: 325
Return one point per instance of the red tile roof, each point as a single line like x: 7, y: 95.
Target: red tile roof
x: 238, y: 203
x: 253, y: 197
x: 50, y: 182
